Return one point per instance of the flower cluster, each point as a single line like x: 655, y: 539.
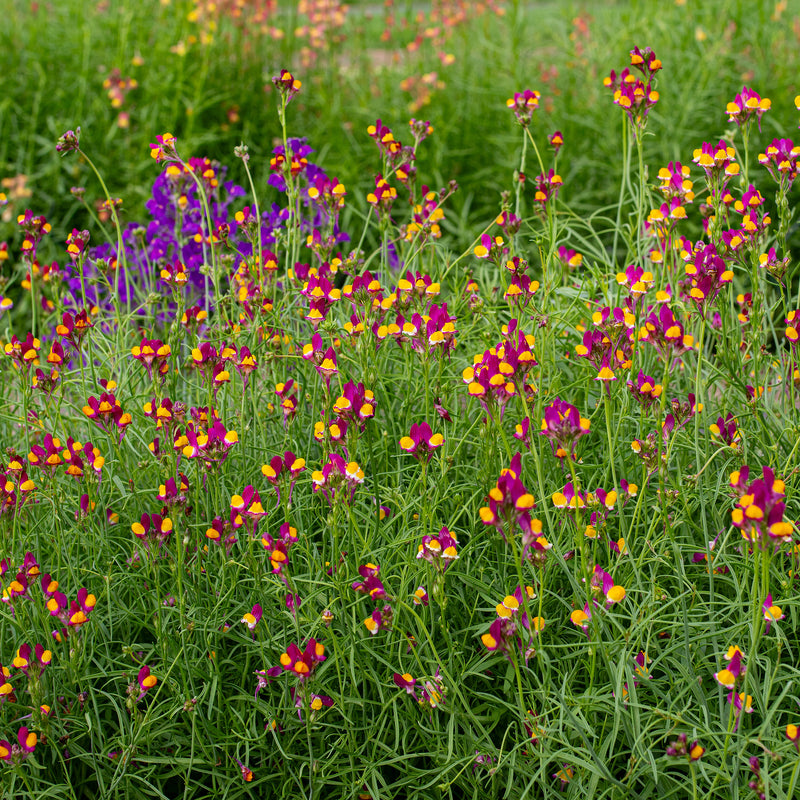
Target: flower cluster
x: 512, y: 630
x: 760, y: 507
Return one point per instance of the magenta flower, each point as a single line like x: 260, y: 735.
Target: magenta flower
x: 680, y: 749
x: 603, y: 584
x: 730, y: 675
x: 645, y: 390
x: 32, y: 663
x: 772, y: 613
x: 146, y: 680
x: 719, y: 164
x: 405, y: 681
x: 14, y: 754
x: 302, y: 663
x: 421, y: 442
x: 252, y: 618
x: 780, y: 158
x: 746, y: 105
x: 523, y: 104
x: 645, y: 61
x: 707, y: 274
x: 337, y: 479
x: 666, y: 334
x: 726, y: 431
x: 564, y: 426
x: 510, y: 503
x: 153, y: 354
x: 283, y: 470
x: 439, y: 550
x: 287, y: 85
x: 633, y: 95
x: 370, y: 583
x: 546, y: 189
x: 760, y: 508
x: 379, y: 619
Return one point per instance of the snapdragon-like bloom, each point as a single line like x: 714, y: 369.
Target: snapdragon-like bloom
x: 603, y: 584
x: 439, y: 550
x: 253, y: 617
x: 523, y: 104
x: 746, y: 105
x: 633, y: 95
x: 564, y: 426
x: 726, y: 431
x: 152, y: 354
x: 760, y: 507
x: 666, y: 334
x: 499, y: 373
x: 283, y: 471
x: 706, y: 274
x: 512, y: 630
x: 772, y: 613
x: 781, y: 158
x: 287, y: 85
x: 146, y: 680
x: 679, y: 748
x: 370, y: 584
x: 302, y: 663
x: 421, y: 442
x: 26, y: 744
x: 510, y: 504
x: 405, y: 681
x: 338, y: 480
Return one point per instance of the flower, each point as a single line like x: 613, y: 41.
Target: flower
x: 603, y: 583
x: 746, y: 105
x: 564, y: 426
x: 793, y: 734
x: 439, y: 550
x: 726, y: 431
x: 15, y: 753
x: 760, y: 507
x: 32, y: 666
x: 106, y: 412
x: 771, y: 613
x: 164, y: 150
x: 780, y: 158
x: 729, y: 678
x: 506, y: 631
x: 679, y: 749
x: 633, y: 95
x: 371, y: 584
x: 247, y: 773
x: 302, y: 663
x: 287, y: 85
x: 337, y: 479
x: 146, y: 680
x: 252, y: 618
x: 405, y: 681
x: 379, y: 619
x: 510, y: 504
x: 523, y: 104
x: 68, y: 142
x: 564, y: 775
x: 421, y: 442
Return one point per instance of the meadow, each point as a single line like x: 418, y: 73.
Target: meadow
x: 399, y: 400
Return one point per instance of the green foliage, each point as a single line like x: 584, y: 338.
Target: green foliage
x: 641, y: 554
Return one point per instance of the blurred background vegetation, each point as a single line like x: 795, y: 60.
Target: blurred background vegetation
x: 201, y: 69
